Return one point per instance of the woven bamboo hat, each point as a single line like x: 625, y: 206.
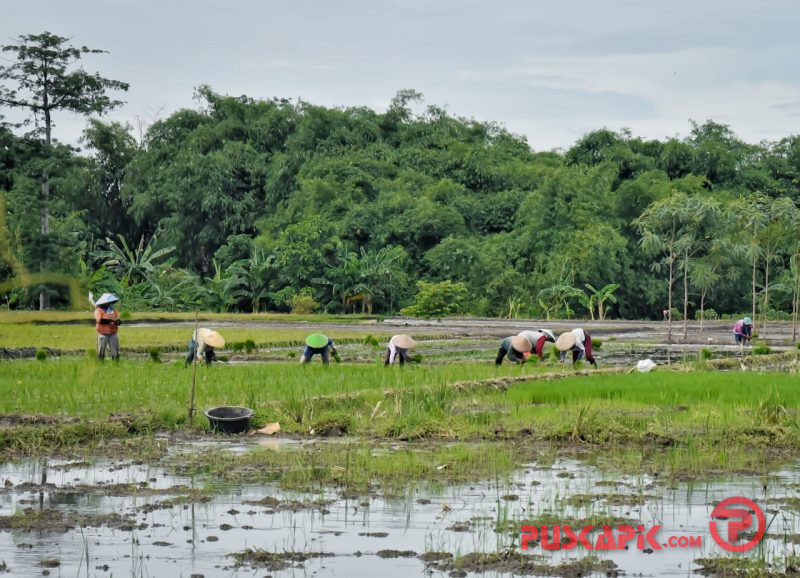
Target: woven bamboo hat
x: 106, y: 299
x: 211, y: 338
x: 521, y: 343
x: 566, y: 341
x: 403, y: 341
x: 317, y: 340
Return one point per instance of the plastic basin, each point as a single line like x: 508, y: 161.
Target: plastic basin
x: 229, y: 418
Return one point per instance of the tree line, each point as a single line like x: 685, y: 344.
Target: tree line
x: 246, y: 204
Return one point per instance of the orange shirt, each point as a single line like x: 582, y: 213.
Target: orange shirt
x: 106, y: 328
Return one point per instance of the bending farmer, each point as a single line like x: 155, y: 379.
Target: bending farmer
x: 202, y: 346
x: 515, y: 348
x: 538, y: 339
x: 106, y: 322
x: 743, y: 331
x: 399, y: 346
x: 579, y: 342
x: 317, y: 343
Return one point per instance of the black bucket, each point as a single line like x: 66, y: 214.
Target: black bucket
x: 229, y: 419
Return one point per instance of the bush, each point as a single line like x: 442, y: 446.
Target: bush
x: 438, y: 299
x: 761, y: 348
x: 707, y: 314
x: 303, y: 304
x: 676, y: 314
x: 155, y: 354
x: 41, y: 355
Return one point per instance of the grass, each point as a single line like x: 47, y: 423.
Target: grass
x: 142, y: 338
x: 677, y: 423
x: 355, y: 467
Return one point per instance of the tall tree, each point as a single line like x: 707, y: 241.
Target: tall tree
x: 42, y: 80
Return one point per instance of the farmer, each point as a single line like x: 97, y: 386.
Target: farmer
x: 579, y: 342
x: 399, y: 346
x: 202, y: 346
x: 538, y: 339
x: 743, y: 331
x: 514, y: 347
x: 321, y: 344
x: 106, y: 322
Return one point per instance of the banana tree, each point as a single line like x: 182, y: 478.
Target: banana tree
x: 598, y: 297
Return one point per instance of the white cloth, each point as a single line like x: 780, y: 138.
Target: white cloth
x: 392, y: 349
x: 533, y: 337
x: 645, y: 366
x: 580, y: 338
x: 199, y: 345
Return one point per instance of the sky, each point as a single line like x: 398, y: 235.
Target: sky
x: 546, y: 70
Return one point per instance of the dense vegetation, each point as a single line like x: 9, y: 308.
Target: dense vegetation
x: 248, y: 205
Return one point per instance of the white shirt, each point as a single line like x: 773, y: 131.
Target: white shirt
x: 580, y: 337
x: 392, y: 349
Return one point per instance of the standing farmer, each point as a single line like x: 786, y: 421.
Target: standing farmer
x: 514, y: 347
x: 743, y: 332
x: 106, y: 322
x: 579, y: 342
x: 317, y: 343
x: 399, y: 346
x: 538, y: 339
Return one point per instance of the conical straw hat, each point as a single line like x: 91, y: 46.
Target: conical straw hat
x: 106, y: 299
x: 521, y: 343
x: 403, y: 341
x: 566, y: 341
x: 317, y: 340
x: 211, y: 337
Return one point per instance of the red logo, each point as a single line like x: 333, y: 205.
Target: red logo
x: 740, y: 519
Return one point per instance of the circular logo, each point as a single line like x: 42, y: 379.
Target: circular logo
x: 739, y: 520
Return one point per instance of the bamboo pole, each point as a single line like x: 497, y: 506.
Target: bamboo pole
x: 194, y: 372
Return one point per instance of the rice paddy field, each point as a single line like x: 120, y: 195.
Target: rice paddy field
x: 431, y: 468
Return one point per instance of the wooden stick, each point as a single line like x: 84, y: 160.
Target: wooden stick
x: 194, y: 372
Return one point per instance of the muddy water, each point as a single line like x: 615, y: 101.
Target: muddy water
x: 194, y: 536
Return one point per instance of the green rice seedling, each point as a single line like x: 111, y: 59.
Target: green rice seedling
x: 596, y: 343
x: 155, y: 354
x: 41, y: 355
x: 761, y: 348
x: 237, y: 346
x: 249, y: 346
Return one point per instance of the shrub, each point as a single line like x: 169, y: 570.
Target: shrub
x: 438, y: 299
x: 41, y: 355
x: 303, y: 304
x: 676, y: 314
x: 708, y: 314
x: 155, y: 354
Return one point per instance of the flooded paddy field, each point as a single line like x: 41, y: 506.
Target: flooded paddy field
x: 118, y: 517
x: 431, y: 469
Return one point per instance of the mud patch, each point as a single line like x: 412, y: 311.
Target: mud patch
x: 514, y: 562
x: 275, y: 561
x: 275, y: 505
x: 31, y: 520
x: 395, y: 554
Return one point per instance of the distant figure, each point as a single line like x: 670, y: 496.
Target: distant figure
x: 399, y: 347
x: 579, y: 342
x: 202, y: 346
x: 106, y: 322
x: 665, y: 313
x: 514, y: 347
x: 538, y: 339
x: 317, y: 343
x: 743, y: 331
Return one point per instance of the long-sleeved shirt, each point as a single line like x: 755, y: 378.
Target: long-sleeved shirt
x: 105, y: 319
x: 537, y: 339
x: 393, y: 348
x: 739, y: 328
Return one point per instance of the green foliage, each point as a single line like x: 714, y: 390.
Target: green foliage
x: 41, y: 355
x: 761, y: 348
x: 303, y: 304
x: 707, y: 314
x: 438, y: 299
x: 154, y: 354
x: 249, y: 346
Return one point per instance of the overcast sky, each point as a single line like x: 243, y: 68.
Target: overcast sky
x: 548, y: 70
